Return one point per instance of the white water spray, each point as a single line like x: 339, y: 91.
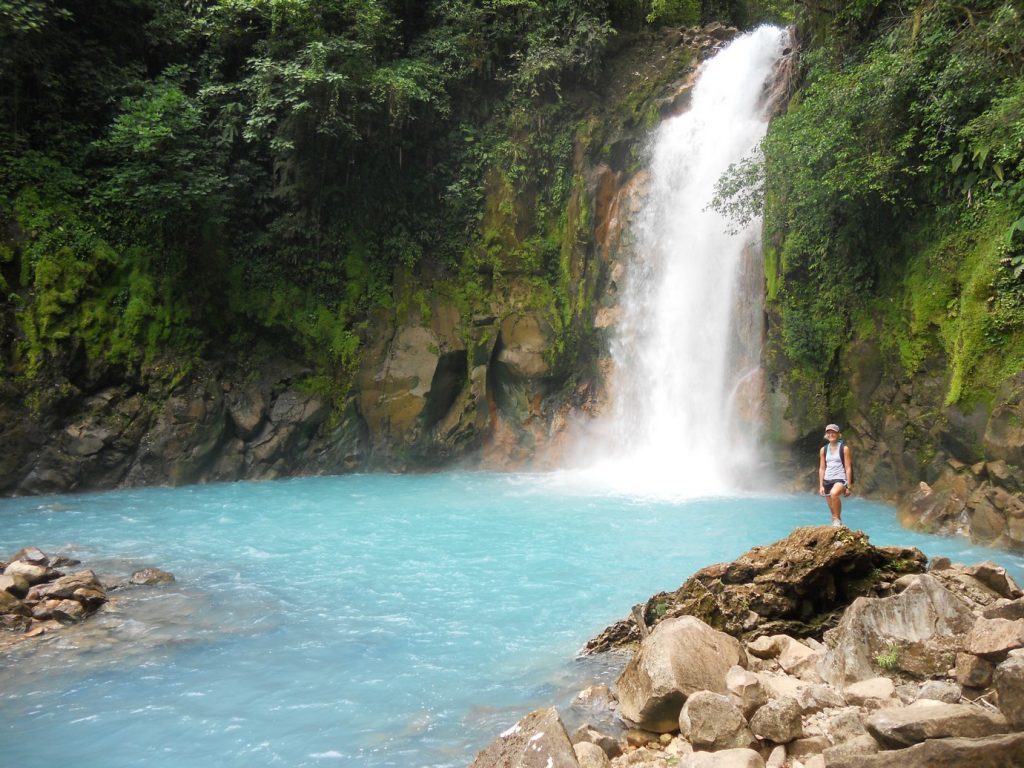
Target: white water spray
x: 690, y: 334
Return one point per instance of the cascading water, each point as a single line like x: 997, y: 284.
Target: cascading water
x: 689, y: 336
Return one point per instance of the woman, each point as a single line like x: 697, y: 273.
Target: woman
x: 835, y: 472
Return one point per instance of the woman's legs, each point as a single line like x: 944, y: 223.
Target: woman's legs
x: 835, y: 503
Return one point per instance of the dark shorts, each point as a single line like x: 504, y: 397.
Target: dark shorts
x: 830, y: 483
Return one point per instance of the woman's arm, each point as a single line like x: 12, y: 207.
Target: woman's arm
x: 821, y: 471
x: 848, y: 463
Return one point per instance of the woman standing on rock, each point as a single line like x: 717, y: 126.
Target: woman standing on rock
x: 835, y: 472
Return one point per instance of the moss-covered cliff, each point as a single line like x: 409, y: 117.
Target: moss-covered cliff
x: 122, y: 367
x: 894, y: 244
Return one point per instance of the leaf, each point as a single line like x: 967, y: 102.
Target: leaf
x: 956, y: 161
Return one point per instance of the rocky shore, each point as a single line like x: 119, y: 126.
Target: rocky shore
x: 36, y: 597
x: 817, y: 651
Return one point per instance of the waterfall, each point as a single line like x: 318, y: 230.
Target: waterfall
x: 687, y: 347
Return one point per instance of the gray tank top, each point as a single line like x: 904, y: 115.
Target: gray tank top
x: 834, y: 468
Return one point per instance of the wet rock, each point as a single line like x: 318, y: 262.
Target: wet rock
x: 538, y: 740
x: 11, y: 605
x: 151, y: 577
x: 30, y: 572
x: 15, y: 584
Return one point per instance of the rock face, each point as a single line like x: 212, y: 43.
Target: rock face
x: 959, y: 475
x: 919, y: 632
x: 798, y: 585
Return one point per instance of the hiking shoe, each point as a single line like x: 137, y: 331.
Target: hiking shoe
x: 837, y: 524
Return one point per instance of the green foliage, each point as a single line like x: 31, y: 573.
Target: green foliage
x: 902, y: 118
x: 890, y: 659
x: 674, y: 12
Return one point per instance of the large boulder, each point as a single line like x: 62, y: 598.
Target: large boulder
x: 680, y: 657
x: 1009, y: 684
x: 538, y: 740
x: 899, y: 727
x: 797, y: 586
x: 918, y: 631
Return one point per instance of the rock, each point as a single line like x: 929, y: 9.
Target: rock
x: 32, y: 555
x: 590, y: 755
x: 30, y: 572
x: 9, y: 604
x: 588, y: 733
x: 994, y: 638
x: 995, y: 578
x: 14, y: 583
x: 844, y: 724
x: 918, y: 631
x: 973, y: 671
x: 1005, y: 609
x: 151, y: 577
x: 796, y: 586
x: 904, y: 726
x: 875, y: 689
x: 638, y: 737
x: 764, y: 647
x: 68, y: 611
x: 678, y: 747
x: 781, y: 684
x: 777, y: 757
x: 728, y: 758
x: 680, y: 657
x: 66, y: 587
x: 1008, y: 680
x: 640, y: 758
x: 538, y: 740
x: 940, y: 690
x: 799, y: 660
x: 779, y: 721
x: 746, y: 690
x: 814, y: 698
x: 850, y: 749
x: 801, y: 749
x: 987, y: 752
x: 711, y: 722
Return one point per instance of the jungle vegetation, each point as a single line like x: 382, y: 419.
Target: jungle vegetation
x: 195, y: 174
x: 192, y: 174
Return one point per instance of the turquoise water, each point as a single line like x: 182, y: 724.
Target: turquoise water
x: 360, y: 621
